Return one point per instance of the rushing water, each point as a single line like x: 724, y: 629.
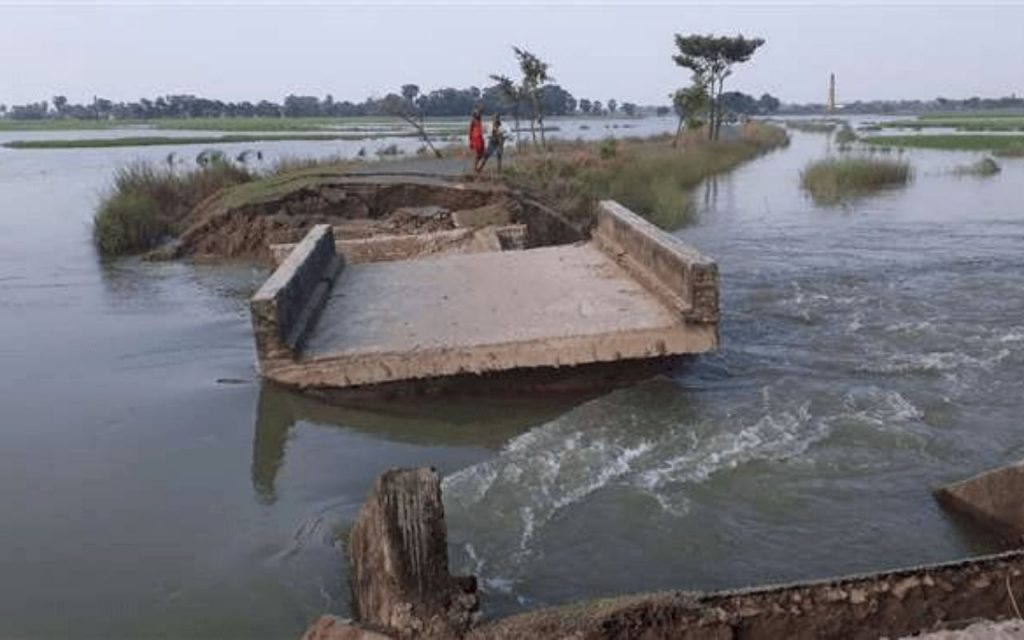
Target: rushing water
x: 151, y: 487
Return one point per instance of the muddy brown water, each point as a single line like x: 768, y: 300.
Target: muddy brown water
x: 150, y: 486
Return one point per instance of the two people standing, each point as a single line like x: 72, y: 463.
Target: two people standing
x: 495, y: 142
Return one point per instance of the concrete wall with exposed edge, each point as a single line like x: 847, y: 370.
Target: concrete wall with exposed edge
x: 286, y: 305
x: 678, y: 274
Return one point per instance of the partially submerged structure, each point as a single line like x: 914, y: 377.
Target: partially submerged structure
x: 427, y: 294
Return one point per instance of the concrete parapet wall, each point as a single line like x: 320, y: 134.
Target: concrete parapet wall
x: 678, y: 274
x: 286, y: 306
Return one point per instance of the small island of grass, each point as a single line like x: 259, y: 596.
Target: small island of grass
x: 835, y: 180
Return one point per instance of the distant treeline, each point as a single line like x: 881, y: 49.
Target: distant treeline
x: 938, y: 105
x: 555, y: 101
x: 438, y: 103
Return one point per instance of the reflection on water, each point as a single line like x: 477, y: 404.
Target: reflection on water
x: 430, y: 421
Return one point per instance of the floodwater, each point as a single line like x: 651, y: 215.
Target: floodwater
x: 150, y: 486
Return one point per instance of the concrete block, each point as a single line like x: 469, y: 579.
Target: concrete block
x: 994, y: 499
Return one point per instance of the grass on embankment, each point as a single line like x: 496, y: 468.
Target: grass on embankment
x: 648, y: 175
x: 1006, y: 146
x: 834, y: 180
x: 148, y: 203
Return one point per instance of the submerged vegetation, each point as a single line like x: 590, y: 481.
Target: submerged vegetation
x: 812, y: 126
x: 845, y: 135
x: 147, y: 203
x: 984, y: 167
x: 648, y: 175
x: 834, y: 180
x: 953, y: 142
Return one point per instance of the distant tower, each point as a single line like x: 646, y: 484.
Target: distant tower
x: 831, y: 93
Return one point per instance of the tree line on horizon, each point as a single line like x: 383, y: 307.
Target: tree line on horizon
x: 448, y: 101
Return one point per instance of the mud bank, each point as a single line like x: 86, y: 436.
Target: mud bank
x: 249, y: 220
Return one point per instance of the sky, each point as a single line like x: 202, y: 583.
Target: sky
x: 255, y: 50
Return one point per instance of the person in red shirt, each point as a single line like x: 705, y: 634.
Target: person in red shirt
x: 476, y: 138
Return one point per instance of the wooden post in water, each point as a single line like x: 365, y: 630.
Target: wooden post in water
x: 398, y: 551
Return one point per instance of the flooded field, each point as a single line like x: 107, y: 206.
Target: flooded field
x: 151, y: 486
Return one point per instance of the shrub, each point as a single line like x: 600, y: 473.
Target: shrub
x: 833, y: 180
x: 128, y: 222
x: 608, y: 149
x: 146, y: 203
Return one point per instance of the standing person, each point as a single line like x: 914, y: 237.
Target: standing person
x: 476, y: 138
x: 495, y: 144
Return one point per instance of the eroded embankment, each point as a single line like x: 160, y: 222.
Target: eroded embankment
x: 245, y: 221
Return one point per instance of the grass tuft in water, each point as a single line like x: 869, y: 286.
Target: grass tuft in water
x: 146, y: 203
x: 845, y: 136
x: 984, y: 167
x: 834, y: 180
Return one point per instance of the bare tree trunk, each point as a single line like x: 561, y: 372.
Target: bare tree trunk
x: 679, y: 132
x: 421, y: 131
x: 519, y: 138
x: 721, y: 111
x: 543, y: 141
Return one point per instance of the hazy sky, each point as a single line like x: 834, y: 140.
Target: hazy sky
x: 256, y: 50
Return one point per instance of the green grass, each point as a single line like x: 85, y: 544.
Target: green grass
x: 989, y: 122
x: 966, y: 142
x: 647, y: 175
x: 1010, y: 151
x: 147, y: 203
x: 835, y: 180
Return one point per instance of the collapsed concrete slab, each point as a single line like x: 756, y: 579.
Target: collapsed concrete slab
x: 632, y: 292
x: 994, y: 499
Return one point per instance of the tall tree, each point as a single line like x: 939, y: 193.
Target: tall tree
x: 535, y: 76
x: 613, y: 106
x: 60, y: 103
x: 585, y: 105
x: 711, y: 59
x: 410, y: 91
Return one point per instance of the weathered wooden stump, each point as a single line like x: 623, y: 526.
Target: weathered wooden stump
x: 399, y: 560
